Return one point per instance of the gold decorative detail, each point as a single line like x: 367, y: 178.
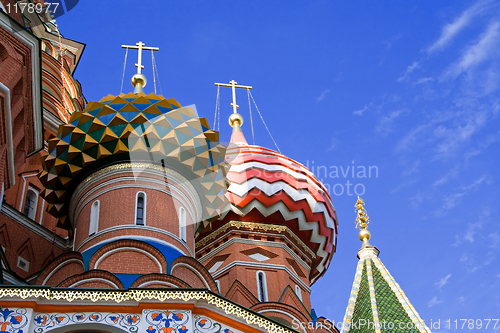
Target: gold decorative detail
x: 255, y: 226
x: 362, y: 220
x: 140, y: 295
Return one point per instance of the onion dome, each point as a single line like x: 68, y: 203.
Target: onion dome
x: 268, y: 187
x: 138, y: 127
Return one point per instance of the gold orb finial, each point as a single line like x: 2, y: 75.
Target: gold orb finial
x: 235, y: 119
x: 138, y: 81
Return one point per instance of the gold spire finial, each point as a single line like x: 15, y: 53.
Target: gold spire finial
x: 362, y: 222
x: 139, y: 80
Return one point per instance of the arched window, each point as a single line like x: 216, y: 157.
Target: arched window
x: 261, y: 286
x: 217, y: 282
x: 182, y: 224
x: 30, y: 204
x: 140, y: 208
x: 94, y: 218
x: 298, y: 292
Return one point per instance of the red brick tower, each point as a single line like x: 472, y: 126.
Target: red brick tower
x: 132, y: 177
x: 277, y: 238
x: 38, y: 95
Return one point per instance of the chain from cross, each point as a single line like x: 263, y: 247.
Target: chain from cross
x: 140, y: 46
x: 233, y: 84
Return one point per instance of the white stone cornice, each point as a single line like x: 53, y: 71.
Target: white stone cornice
x: 51, y: 121
x: 368, y: 252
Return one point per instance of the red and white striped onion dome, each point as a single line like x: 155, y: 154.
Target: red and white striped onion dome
x: 268, y: 187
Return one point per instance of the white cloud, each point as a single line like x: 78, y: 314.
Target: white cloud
x: 409, y: 69
x: 454, y: 199
x: 495, y: 240
x: 390, y: 42
x: 450, y: 30
x: 413, y: 169
x: 451, y: 138
x: 333, y: 144
x: 323, y: 95
x: 363, y: 110
x: 475, y: 54
x: 450, y: 174
x: 483, y: 146
x: 403, y: 185
x: 416, y: 200
x: 441, y: 283
x: 386, y: 123
x: 424, y: 79
x: 434, y: 302
x: 410, y: 138
x: 469, y: 234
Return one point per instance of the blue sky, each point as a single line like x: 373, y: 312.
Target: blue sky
x: 408, y: 87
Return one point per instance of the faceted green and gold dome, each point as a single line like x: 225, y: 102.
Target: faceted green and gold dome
x: 136, y: 127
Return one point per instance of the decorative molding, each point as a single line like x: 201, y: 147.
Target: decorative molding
x: 192, y: 269
x: 254, y: 226
x: 66, y: 262
x: 167, y: 321
x: 203, y: 324
x: 285, y: 313
x: 75, y: 285
x: 136, y: 237
x: 51, y: 121
x: 15, y: 320
x: 44, y: 322
x: 255, y: 243
x: 137, y: 295
x: 128, y: 249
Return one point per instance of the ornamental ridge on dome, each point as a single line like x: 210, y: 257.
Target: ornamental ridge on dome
x: 134, y: 126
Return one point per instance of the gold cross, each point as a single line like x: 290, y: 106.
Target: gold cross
x: 140, y: 46
x: 234, y: 86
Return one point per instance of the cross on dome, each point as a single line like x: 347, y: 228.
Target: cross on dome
x: 236, y: 119
x: 139, y: 80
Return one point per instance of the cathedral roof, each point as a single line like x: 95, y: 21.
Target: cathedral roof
x: 133, y: 127
x: 268, y: 187
x: 377, y: 303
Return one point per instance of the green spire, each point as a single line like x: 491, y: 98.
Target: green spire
x: 377, y: 303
